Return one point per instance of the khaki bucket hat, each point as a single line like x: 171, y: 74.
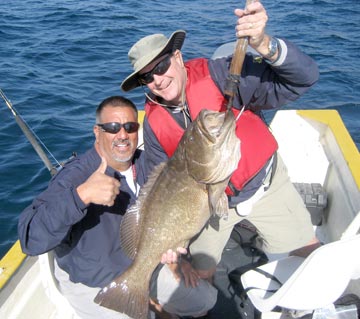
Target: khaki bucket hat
x: 147, y: 50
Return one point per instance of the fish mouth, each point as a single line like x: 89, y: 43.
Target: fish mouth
x: 213, y: 124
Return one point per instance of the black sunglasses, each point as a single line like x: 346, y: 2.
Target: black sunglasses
x: 115, y: 127
x: 158, y: 69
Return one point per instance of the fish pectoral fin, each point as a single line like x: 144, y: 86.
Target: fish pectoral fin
x: 222, y: 208
x: 218, y: 201
x: 131, y: 223
x: 130, y: 230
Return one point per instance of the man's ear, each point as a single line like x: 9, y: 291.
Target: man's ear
x: 178, y: 57
x: 96, y: 131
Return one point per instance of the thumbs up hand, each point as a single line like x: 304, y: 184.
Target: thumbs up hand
x: 99, y: 188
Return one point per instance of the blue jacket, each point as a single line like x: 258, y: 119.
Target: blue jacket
x: 262, y: 86
x: 85, y: 239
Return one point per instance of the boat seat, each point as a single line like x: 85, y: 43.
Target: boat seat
x: 306, y: 283
x: 50, y: 283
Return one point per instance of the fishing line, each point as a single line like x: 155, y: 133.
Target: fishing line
x: 32, y: 136
x: 240, y: 113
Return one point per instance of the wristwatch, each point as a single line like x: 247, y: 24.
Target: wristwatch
x: 273, y: 47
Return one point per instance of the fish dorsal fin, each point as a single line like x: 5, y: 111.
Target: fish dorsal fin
x: 130, y: 227
x: 218, y: 202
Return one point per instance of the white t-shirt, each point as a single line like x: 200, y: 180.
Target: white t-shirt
x: 130, y: 180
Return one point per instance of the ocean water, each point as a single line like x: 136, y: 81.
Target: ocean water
x: 60, y: 58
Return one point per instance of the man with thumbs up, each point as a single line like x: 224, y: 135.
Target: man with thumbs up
x: 78, y: 217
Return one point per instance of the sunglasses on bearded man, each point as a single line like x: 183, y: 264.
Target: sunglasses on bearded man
x: 115, y: 127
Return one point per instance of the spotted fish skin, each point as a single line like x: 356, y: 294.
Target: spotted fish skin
x: 174, y: 205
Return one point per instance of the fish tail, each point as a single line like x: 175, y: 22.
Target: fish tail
x: 120, y: 296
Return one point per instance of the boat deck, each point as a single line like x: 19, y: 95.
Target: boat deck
x: 236, y: 259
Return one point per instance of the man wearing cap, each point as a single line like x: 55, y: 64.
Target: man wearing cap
x: 273, y: 74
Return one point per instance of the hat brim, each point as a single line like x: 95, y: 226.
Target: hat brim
x: 175, y: 42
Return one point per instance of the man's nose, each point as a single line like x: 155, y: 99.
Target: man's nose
x: 122, y: 133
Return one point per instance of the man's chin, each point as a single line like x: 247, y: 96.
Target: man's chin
x: 122, y: 159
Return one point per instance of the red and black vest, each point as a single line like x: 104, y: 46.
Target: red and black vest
x: 257, y: 143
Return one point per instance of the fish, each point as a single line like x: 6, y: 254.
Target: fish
x: 181, y: 194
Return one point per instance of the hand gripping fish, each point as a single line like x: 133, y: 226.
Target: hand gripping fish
x: 182, y: 193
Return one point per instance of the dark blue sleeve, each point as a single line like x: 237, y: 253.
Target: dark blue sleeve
x: 154, y: 153
x: 47, y: 221
x: 264, y: 86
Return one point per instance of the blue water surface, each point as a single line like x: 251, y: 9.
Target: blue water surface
x: 60, y: 58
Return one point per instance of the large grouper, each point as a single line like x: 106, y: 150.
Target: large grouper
x: 174, y: 205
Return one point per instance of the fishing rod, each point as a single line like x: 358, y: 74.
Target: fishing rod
x: 33, y: 138
x: 237, y: 62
